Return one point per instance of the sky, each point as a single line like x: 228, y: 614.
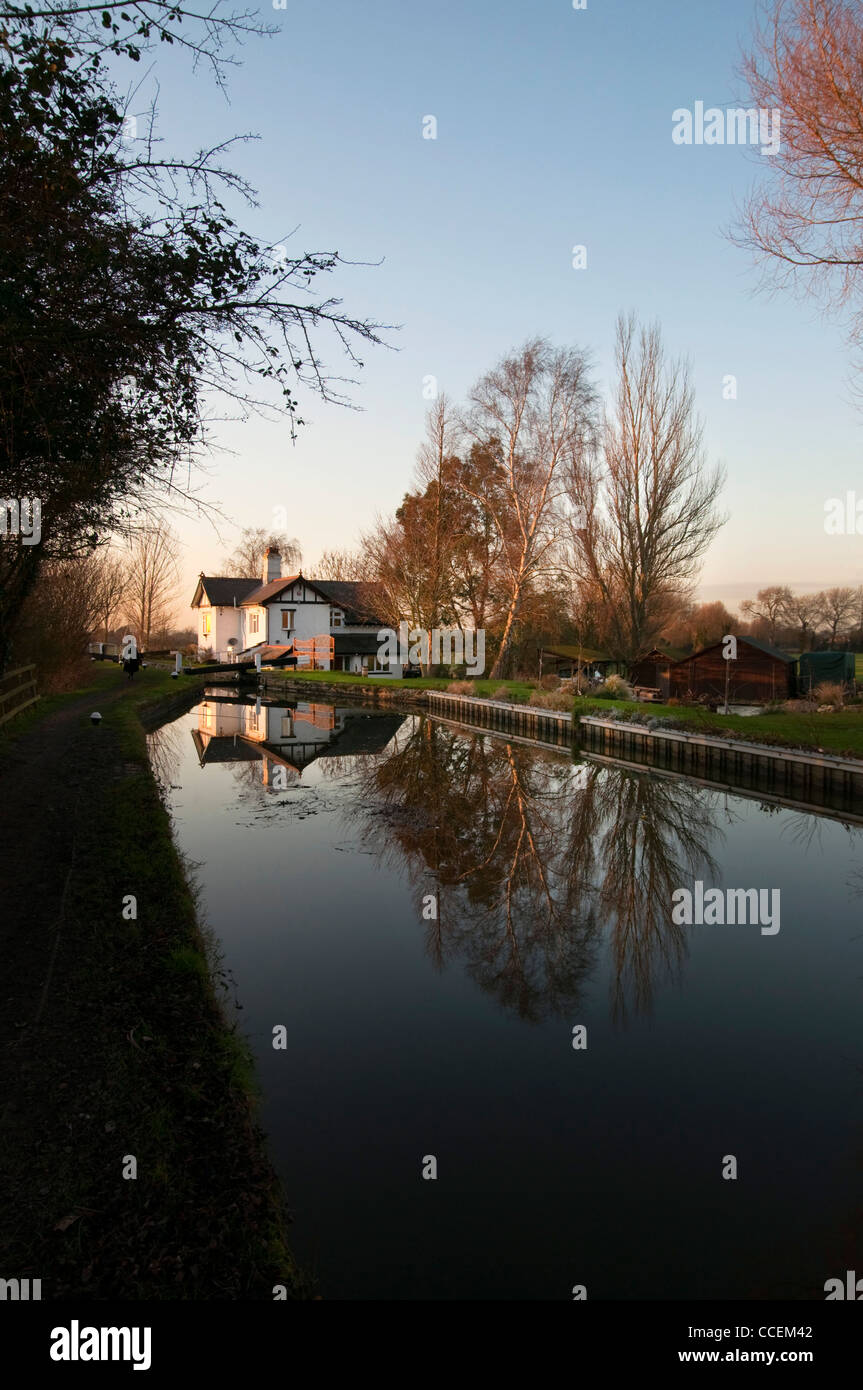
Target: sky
x: 554, y: 130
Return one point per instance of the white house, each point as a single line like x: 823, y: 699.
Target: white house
x: 280, y: 615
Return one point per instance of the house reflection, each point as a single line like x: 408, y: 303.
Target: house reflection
x: 287, y: 736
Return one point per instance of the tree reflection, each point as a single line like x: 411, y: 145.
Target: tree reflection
x: 531, y: 857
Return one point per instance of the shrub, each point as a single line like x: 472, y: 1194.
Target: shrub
x: 550, y: 682
x: 615, y: 688
x: 551, y: 699
x: 460, y: 688
x: 830, y: 693
x: 502, y: 693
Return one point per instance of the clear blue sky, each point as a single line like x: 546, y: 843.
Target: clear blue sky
x: 554, y: 128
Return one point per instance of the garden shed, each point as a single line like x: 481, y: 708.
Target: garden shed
x: 759, y: 674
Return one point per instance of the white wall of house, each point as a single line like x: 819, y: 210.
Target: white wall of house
x: 217, y: 625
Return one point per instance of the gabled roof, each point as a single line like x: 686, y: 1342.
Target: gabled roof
x: 662, y: 652
x: 221, y: 590
x: 746, y: 641
x: 356, y: 600
x: 583, y: 654
x: 265, y: 593
x: 766, y: 647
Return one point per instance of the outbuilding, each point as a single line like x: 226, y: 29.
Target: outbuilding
x: 758, y: 675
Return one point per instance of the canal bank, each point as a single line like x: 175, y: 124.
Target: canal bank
x: 135, y: 1166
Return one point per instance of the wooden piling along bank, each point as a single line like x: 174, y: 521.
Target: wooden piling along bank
x: 818, y: 779
x: 807, y: 779
x: 529, y: 721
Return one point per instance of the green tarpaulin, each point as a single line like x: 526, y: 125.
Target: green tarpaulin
x: 816, y: 667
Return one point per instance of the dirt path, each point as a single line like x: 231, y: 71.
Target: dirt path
x: 112, y: 1044
x: 44, y: 778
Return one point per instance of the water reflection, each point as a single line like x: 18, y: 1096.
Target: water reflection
x: 532, y: 860
x: 553, y: 882
x: 289, y: 737
x: 530, y: 857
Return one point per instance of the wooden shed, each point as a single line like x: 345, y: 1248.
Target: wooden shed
x: 760, y: 673
x: 652, y: 672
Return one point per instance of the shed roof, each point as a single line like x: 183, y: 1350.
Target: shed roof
x: 746, y: 641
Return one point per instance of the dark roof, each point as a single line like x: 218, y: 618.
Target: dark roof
x: 221, y: 589
x: 747, y: 641
x: 661, y: 652
x: 355, y: 643
x: 264, y: 593
x: 571, y: 653
x: 766, y: 647
x: 356, y: 600
x: 363, y: 734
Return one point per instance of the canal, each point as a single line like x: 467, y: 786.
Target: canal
x: 471, y: 948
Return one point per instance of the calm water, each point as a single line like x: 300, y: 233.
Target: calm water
x: 320, y: 833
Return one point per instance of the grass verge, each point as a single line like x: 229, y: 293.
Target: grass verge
x: 839, y: 733
x: 125, y: 1061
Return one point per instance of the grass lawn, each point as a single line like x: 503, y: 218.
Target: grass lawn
x: 519, y: 690
x: 840, y: 733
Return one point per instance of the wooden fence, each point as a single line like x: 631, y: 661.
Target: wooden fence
x: 17, y: 691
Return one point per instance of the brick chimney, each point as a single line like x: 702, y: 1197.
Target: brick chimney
x: 272, y: 564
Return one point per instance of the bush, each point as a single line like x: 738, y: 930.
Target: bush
x: 502, y: 693
x: 460, y: 688
x: 615, y: 688
x: 550, y: 682
x: 830, y: 693
x: 551, y: 699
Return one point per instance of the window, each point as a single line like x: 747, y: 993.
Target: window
x: 287, y: 726
x: 253, y: 622
x: 335, y: 618
x: 205, y: 625
x: 288, y: 615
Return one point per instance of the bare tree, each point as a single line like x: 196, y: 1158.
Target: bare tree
x: 153, y: 577
x: 646, y: 513
x: 434, y: 474
x: 770, y: 604
x: 802, y: 612
x: 247, y: 558
x: 805, y: 219
x: 835, y: 609
x: 350, y: 565
x: 535, y: 413
x: 110, y: 578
